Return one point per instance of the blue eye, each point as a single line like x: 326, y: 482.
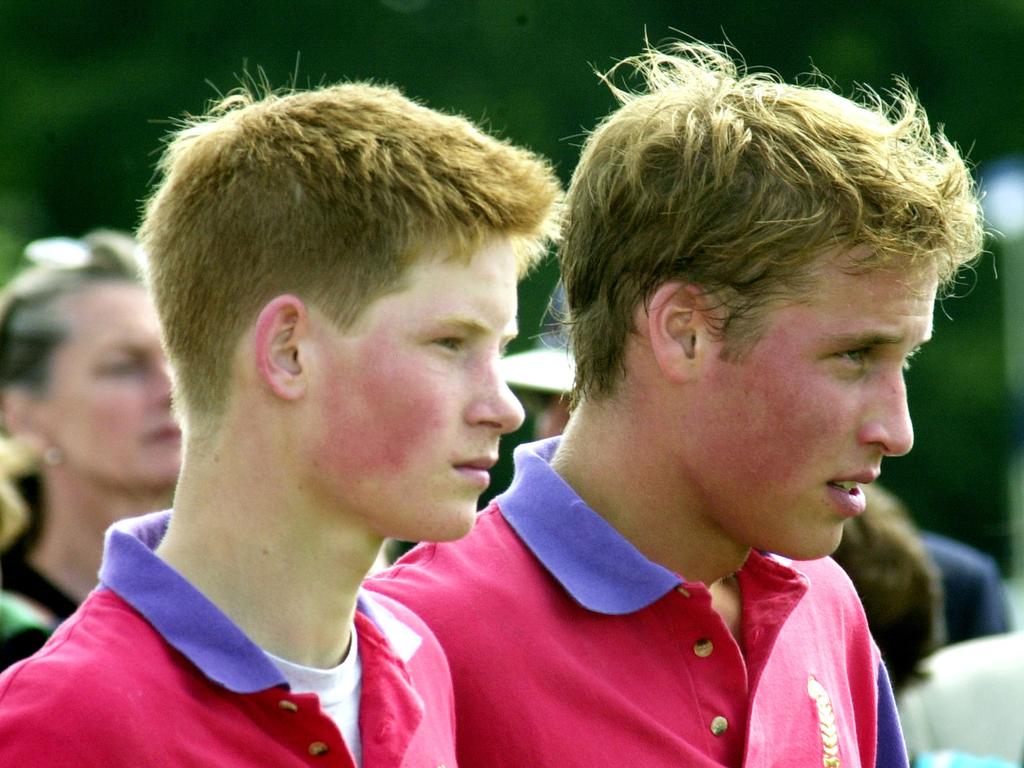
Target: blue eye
x: 452, y: 343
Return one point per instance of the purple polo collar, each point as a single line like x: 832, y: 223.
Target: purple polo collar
x: 592, y: 561
x: 193, y: 624
x: 182, y: 614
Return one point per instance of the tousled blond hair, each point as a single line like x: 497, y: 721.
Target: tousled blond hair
x: 740, y: 183
x: 329, y: 194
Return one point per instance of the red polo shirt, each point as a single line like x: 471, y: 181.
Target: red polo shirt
x: 149, y: 673
x: 569, y: 648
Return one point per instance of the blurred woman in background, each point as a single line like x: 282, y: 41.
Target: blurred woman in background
x: 85, y: 396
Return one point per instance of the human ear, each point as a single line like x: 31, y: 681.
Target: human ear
x: 24, y: 418
x: 673, y: 322
x: 281, y: 327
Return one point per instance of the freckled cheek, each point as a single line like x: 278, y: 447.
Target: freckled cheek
x: 778, y: 430
x: 380, y: 422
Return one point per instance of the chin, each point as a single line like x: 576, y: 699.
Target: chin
x: 812, y: 550
x: 451, y: 525
x: 454, y: 533
x: 156, y: 483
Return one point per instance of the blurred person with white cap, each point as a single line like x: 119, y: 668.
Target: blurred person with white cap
x: 542, y: 376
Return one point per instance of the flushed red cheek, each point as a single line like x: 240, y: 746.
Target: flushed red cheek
x: 778, y: 429
x: 379, y: 422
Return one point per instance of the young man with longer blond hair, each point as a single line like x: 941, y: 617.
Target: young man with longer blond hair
x: 748, y: 267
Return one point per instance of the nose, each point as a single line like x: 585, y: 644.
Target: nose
x: 495, y: 405
x: 888, y: 424
x: 161, y: 382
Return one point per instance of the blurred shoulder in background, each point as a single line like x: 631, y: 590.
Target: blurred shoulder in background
x: 970, y: 700
x: 975, y: 600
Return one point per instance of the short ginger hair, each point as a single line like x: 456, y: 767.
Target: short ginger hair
x: 329, y: 194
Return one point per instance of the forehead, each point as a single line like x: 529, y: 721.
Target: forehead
x: 842, y: 281
x: 90, y: 296
x: 484, y: 283
x: 845, y: 301
x: 107, y: 308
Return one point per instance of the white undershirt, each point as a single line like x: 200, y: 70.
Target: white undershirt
x: 338, y: 689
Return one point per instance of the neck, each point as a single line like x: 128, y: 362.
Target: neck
x: 77, y: 513
x: 285, y: 570
x: 653, y: 505
x: 727, y: 602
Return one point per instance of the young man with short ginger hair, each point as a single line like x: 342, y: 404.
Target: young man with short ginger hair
x: 748, y: 266
x: 336, y: 274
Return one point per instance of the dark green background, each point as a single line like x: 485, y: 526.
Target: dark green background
x: 88, y: 88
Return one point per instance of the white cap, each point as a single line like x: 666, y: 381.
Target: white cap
x: 543, y: 368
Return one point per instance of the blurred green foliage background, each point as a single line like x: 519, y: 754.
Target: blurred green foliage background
x: 89, y: 88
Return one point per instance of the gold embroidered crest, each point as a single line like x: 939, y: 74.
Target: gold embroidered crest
x: 826, y: 723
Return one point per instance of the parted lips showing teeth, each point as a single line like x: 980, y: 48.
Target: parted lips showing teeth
x: 847, y: 485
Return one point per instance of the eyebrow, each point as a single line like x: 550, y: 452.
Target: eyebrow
x: 473, y: 326
x: 871, y: 339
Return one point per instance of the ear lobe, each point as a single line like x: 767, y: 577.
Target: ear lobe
x: 280, y: 328
x: 674, y: 324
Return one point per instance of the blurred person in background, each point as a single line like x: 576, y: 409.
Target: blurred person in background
x: 542, y: 376
x: 969, y: 700
x: 975, y: 601
x: 85, y: 402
